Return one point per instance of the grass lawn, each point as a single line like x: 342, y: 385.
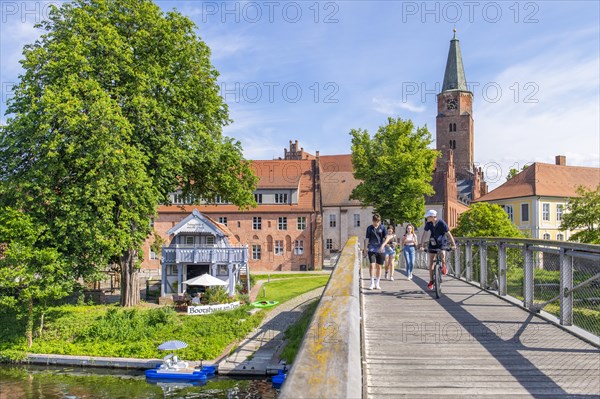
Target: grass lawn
x: 265, y: 276
x: 116, y: 332
x: 295, y: 333
x: 283, y: 290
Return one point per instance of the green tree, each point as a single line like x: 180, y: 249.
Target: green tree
x: 583, y: 213
x: 118, y: 107
x: 513, y: 172
x: 29, y: 276
x: 485, y: 220
x: 395, y: 167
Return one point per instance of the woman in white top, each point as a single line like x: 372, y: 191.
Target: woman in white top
x: 409, y: 241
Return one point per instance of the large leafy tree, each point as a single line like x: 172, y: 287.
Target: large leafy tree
x: 118, y: 106
x: 395, y: 167
x: 583, y: 214
x: 485, y: 220
x: 30, y: 275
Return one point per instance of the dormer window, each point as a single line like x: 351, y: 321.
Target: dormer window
x: 281, y: 198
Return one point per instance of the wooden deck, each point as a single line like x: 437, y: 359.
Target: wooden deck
x: 468, y: 344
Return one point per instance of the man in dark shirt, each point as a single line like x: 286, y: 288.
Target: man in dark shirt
x: 376, y: 234
x: 437, y: 239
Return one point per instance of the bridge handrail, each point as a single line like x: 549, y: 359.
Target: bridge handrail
x: 328, y: 364
x: 575, y: 266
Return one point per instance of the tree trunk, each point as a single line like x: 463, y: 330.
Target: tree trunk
x: 130, y: 286
x: 42, y: 323
x: 29, y: 331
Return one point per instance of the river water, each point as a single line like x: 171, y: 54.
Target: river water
x: 38, y: 382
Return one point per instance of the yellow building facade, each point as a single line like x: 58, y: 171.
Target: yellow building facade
x: 536, y: 198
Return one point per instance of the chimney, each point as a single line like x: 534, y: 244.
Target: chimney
x: 561, y: 160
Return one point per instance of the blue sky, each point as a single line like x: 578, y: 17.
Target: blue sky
x: 311, y: 71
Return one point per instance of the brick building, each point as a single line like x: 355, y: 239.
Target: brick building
x: 283, y: 232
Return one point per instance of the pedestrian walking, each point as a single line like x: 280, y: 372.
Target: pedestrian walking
x: 409, y: 244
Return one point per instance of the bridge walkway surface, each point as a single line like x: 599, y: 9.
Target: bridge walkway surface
x: 467, y: 344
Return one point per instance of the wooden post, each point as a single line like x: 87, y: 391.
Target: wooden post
x: 502, y: 269
x: 566, y: 284
x: 469, y: 260
x: 528, y: 277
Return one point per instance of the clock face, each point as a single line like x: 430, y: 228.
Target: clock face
x: 451, y: 103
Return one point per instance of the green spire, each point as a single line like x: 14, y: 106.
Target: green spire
x: 454, y: 78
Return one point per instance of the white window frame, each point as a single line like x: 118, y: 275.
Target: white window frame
x: 256, y: 223
x: 356, y: 220
x: 171, y: 270
x: 546, y: 211
x: 222, y: 270
x: 301, y: 223
x: 153, y: 255
x: 546, y: 236
x: 332, y: 220
x: 560, y: 237
x: 223, y: 220
x: 187, y: 240
x: 329, y: 243
x: 282, y: 223
x: 210, y: 240
x: 299, y: 247
x: 278, y: 247
x: 510, y: 212
x: 256, y: 252
x: 281, y: 198
x: 258, y: 198
x: 560, y: 211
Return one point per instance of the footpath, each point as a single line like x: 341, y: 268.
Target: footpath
x: 258, y: 354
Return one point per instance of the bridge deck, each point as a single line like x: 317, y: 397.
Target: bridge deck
x: 467, y: 344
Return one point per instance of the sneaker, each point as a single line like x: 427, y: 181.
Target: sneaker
x: 410, y: 276
x: 391, y: 278
x: 377, y: 287
x: 386, y: 277
x: 444, y: 270
x: 372, y: 286
x: 430, y: 285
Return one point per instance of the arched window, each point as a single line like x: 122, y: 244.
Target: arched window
x: 450, y: 127
x: 454, y: 127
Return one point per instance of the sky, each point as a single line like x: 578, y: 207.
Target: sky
x: 312, y: 71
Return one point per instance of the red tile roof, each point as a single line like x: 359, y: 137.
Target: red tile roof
x: 546, y: 180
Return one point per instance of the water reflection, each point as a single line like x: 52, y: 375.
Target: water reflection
x: 35, y: 382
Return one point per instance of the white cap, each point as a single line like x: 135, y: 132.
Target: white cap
x: 430, y: 212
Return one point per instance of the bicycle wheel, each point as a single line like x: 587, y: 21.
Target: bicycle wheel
x: 437, y: 279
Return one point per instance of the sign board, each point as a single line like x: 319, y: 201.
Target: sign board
x: 208, y: 309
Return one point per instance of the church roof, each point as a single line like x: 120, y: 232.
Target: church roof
x: 454, y: 77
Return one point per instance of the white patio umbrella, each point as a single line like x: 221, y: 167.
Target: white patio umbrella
x: 172, y: 345
x: 206, y: 280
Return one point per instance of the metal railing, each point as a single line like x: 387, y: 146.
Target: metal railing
x: 209, y: 254
x: 560, y: 278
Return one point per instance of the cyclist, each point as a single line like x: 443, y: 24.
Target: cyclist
x: 437, y: 240
x: 375, y: 237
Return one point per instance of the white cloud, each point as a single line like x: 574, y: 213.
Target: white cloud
x: 393, y: 107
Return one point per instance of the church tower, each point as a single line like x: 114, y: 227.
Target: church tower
x: 454, y: 124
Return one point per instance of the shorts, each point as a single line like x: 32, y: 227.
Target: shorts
x: 433, y: 250
x: 377, y: 257
x: 389, y: 251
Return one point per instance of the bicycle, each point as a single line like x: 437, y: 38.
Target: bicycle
x: 437, y: 271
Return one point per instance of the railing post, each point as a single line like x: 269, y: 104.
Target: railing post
x: 457, y: 260
x: 469, y: 260
x: 528, y: 277
x: 482, y: 264
x: 566, y: 284
x: 502, y: 269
